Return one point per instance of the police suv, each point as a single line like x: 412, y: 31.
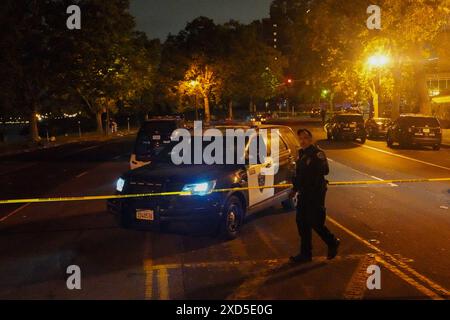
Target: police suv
x: 200, y: 200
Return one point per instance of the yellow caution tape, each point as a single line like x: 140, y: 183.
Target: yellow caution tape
x: 185, y: 193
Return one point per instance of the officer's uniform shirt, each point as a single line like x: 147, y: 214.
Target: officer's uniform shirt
x: 312, y: 167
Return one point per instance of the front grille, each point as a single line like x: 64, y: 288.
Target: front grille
x: 144, y: 187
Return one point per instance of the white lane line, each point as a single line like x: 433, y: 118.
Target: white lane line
x: 82, y: 174
x: 401, y: 265
x: 379, y: 179
x: 404, y: 157
x: 363, y: 173
x: 82, y: 150
x: 14, y: 212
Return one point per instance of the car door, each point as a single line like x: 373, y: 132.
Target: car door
x: 257, y: 178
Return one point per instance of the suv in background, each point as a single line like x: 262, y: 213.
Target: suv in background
x: 377, y: 127
x: 414, y: 129
x: 346, y: 126
x: 153, y: 134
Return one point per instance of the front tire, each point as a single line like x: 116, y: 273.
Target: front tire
x: 232, y: 218
x: 363, y: 139
x: 437, y: 147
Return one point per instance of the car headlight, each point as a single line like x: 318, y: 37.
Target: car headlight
x: 120, y: 184
x: 200, y: 189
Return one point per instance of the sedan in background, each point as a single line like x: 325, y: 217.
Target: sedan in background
x: 377, y: 127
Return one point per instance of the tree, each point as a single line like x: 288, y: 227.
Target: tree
x: 201, y: 79
x: 413, y: 26
x: 97, y: 62
x: 27, y: 57
x: 252, y: 70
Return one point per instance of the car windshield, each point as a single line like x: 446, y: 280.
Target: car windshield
x: 419, y: 122
x: 151, y: 135
x: 163, y: 153
x: 163, y: 126
x: 349, y: 118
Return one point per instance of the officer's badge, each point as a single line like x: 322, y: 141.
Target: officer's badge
x: 321, y: 155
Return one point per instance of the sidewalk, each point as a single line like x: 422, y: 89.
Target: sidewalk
x: 7, y: 149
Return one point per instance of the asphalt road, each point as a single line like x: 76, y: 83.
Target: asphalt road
x: 403, y: 229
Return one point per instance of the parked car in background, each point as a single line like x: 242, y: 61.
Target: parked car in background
x: 415, y: 129
x: 377, y: 127
x: 346, y: 126
x: 259, y: 118
x: 315, y: 112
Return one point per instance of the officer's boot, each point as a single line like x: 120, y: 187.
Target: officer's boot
x: 333, y: 249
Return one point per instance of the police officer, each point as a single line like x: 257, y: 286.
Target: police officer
x: 311, y: 188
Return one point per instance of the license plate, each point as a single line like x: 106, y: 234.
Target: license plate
x: 353, y: 126
x: 346, y: 129
x: 147, y: 215
x: 426, y: 130
x: 156, y: 137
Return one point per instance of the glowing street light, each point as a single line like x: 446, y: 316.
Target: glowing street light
x: 193, y: 83
x: 378, y: 61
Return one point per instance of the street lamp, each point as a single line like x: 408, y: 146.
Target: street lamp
x: 377, y: 62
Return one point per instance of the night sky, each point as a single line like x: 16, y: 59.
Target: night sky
x: 158, y: 18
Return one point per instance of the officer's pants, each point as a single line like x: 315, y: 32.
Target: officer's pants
x: 311, y: 215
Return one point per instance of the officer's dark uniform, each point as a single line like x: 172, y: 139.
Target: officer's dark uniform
x: 310, y: 183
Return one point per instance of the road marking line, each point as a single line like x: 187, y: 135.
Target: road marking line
x: 408, y: 279
x: 148, y: 268
x: 236, y: 263
x: 163, y: 284
x: 405, y: 157
x: 379, y: 179
x: 442, y: 291
x: 358, y: 282
x: 29, y: 165
x: 14, y: 212
x: 82, y: 174
x: 82, y: 150
x: 365, y: 174
x: 256, y: 280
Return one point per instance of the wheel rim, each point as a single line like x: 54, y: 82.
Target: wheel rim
x: 232, y: 219
x: 295, y: 200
